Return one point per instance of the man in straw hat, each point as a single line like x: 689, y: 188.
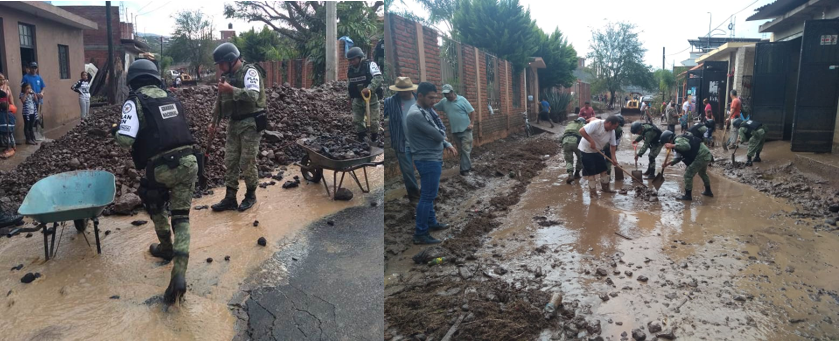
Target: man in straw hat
x: 460, y: 113
x: 396, y: 108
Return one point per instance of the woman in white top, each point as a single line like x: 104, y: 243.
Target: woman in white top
x: 596, y: 135
x: 83, y: 88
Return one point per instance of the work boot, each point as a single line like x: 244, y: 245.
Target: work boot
x: 160, y: 251
x: 757, y: 158
x: 577, y: 174
x: 650, y: 170
x: 361, y: 136
x: 176, y: 289
x: 651, y: 174
x: 426, y: 239
x: 686, y: 197
x: 438, y: 227
x: 228, y: 203
x: 748, y: 160
x: 570, y: 178
x: 374, y: 137
x: 605, y: 188
x: 250, y: 199
x: 9, y: 219
x: 708, y: 192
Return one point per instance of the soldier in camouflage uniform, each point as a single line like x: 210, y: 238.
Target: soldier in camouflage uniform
x: 365, y: 78
x: 753, y: 132
x: 570, y: 141
x: 242, y: 100
x: 691, y: 151
x: 650, y: 134
x: 154, y: 125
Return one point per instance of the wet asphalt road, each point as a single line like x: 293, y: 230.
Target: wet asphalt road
x: 333, y: 288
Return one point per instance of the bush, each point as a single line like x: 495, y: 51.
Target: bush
x: 559, y: 102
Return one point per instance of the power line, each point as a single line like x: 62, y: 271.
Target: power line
x: 147, y: 5
x: 147, y: 12
x: 718, y: 26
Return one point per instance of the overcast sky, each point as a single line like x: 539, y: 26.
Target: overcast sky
x: 156, y: 16
x: 666, y: 24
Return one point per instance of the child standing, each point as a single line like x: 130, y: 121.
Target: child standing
x: 29, y: 100
x: 7, y: 128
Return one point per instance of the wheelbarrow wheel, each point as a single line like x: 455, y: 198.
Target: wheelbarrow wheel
x: 80, y: 224
x: 311, y: 174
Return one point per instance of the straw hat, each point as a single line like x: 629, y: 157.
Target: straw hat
x: 403, y: 84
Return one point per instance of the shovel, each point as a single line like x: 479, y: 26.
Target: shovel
x: 724, y: 133
x: 636, y: 173
x: 736, y: 145
x: 367, y: 113
x: 659, y: 179
x: 619, y: 167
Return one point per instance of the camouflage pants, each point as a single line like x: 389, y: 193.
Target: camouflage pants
x: 359, y: 111
x: 654, y: 151
x: 181, y: 184
x: 700, y: 165
x: 756, y: 142
x: 569, y: 149
x: 240, y: 153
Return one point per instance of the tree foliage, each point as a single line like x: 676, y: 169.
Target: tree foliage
x: 265, y: 45
x: 560, y: 59
x: 440, y: 14
x: 666, y: 80
x: 617, y: 58
x: 304, y: 24
x: 502, y: 27
x: 192, y: 40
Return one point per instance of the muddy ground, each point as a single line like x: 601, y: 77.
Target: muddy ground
x: 754, y: 262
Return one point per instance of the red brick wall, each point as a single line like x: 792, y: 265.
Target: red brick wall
x: 343, y: 65
x: 96, y: 41
x: 432, y: 56
x: 308, y: 74
x: 405, y: 48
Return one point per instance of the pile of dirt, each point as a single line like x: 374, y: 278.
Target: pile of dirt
x: 338, y: 148
x: 292, y: 114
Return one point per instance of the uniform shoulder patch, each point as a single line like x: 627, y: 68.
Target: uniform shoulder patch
x: 130, y: 123
x: 374, y: 69
x: 252, y: 79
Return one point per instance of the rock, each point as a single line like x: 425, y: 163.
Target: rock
x: 740, y: 298
x: 74, y: 163
x: 834, y: 208
x: 272, y: 136
x: 330, y: 223
x: 601, y: 272
x: 291, y: 184
x: 667, y: 334
x: 638, y: 335
x: 209, y: 260
x: 202, y: 207
x: 830, y: 221
x: 18, y: 267
x: 653, y: 327
x: 261, y: 241
x: 227, y: 258
x: 29, y: 277
x: 139, y: 222
x: 115, y: 297
x: 642, y: 278
x: 255, y: 223
x: 628, y: 273
x: 604, y: 297
x: 126, y: 203
x: 343, y: 194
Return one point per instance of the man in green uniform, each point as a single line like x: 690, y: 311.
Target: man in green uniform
x: 753, y: 132
x: 242, y: 100
x: 691, y: 151
x: 365, y: 79
x: 607, y: 150
x: 570, y: 141
x: 650, y: 134
x: 154, y: 125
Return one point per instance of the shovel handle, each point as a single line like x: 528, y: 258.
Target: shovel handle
x: 619, y: 167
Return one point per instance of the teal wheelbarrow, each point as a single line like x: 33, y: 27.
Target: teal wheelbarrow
x: 76, y: 196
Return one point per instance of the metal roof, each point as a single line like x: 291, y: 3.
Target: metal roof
x: 775, y: 9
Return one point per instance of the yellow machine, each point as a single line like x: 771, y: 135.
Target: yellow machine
x: 186, y: 79
x: 633, y: 106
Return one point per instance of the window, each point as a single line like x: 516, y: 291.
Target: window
x: 493, y: 88
x: 27, y: 36
x: 64, y: 61
x: 517, y: 90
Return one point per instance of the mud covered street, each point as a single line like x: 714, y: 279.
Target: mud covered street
x: 755, y: 262
x: 117, y: 295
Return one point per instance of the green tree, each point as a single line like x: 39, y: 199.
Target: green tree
x: 165, y: 63
x: 304, y: 24
x: 265, y: 45
x: 560, y: 60
x: 666, y: 82
x: 440, y: 14
x: 502, y: 27
x: 617, y: 56
x: 192, y: 41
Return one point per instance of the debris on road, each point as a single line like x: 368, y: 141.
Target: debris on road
x: 261, y: 241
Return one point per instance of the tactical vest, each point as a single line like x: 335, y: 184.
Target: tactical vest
x: 697, y: 130
x: 166, y: 128
x: 695, y: 143
x: 657, y: 137
x: 750, y: 126
x: 618, y: 133
x: 360, y: 76
x: 242, y: 108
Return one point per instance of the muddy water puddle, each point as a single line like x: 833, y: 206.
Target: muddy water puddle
x: 720, y: 268
x: 115, y: 295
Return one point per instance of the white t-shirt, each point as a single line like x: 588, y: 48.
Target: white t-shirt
x: 686, y: 107
x: 598, y: 133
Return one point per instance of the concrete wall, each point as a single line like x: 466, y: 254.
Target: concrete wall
x: 96, y: 41
x: 61, y: 105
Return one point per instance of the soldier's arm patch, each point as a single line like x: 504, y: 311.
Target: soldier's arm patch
x: 374, y: 69
x: 130, y: 123
x: 252, y: 80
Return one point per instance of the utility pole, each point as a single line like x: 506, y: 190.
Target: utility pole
x: 331, y: 39
x: 111, y: 81
x: 662, y: 58
x: 709, y: 30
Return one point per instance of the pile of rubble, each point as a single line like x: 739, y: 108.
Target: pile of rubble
x: 292, y: 114
x: 338, y: 148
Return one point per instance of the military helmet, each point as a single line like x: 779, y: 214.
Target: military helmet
x: 636, y: 127
x: 355, y: 52
x: 226, y: 53
x: 581, y: 119
x: 737, y: 122
x: 709, y: 124
x: 140, y: 68
x: 667, y: 137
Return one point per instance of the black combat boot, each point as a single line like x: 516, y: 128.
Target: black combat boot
x: 160, y: 251
x: 361, y: 136
x: 748, y: 160
x: 570, y: 178
x: 250, y: 199
x: 228, y: 203
x: 650, y: 173
x: 577, y: 174
x: 176, y: 289
x: 686, y: 197
x: 374, y: 137
x: 9, y: 219
x: 708, y: 192
x: 757, y: 158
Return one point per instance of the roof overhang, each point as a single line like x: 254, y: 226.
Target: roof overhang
x: 795, y: 15
x: 537, y: 63
x: 52, y: 13
x: 722, y: 51
x: 134, y: 46
x: 775, y: 9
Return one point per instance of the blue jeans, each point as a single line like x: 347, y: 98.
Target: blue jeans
x: 406, y: 166
x: 429, y: 172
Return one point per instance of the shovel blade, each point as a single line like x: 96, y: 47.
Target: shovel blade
x: 636, y: 174
x: 618, y: 175
x: 658, y: 180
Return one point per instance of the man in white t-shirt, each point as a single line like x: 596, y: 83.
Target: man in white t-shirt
x: 596, y: 135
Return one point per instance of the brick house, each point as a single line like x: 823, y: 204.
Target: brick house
x: 126, y: 47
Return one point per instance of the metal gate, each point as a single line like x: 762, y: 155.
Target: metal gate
x: 712, y: 87
x: 818, y: 82
x: 693, y: 85
x: 769, y: 86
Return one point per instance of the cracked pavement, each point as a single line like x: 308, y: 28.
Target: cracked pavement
x: 332, y: 287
